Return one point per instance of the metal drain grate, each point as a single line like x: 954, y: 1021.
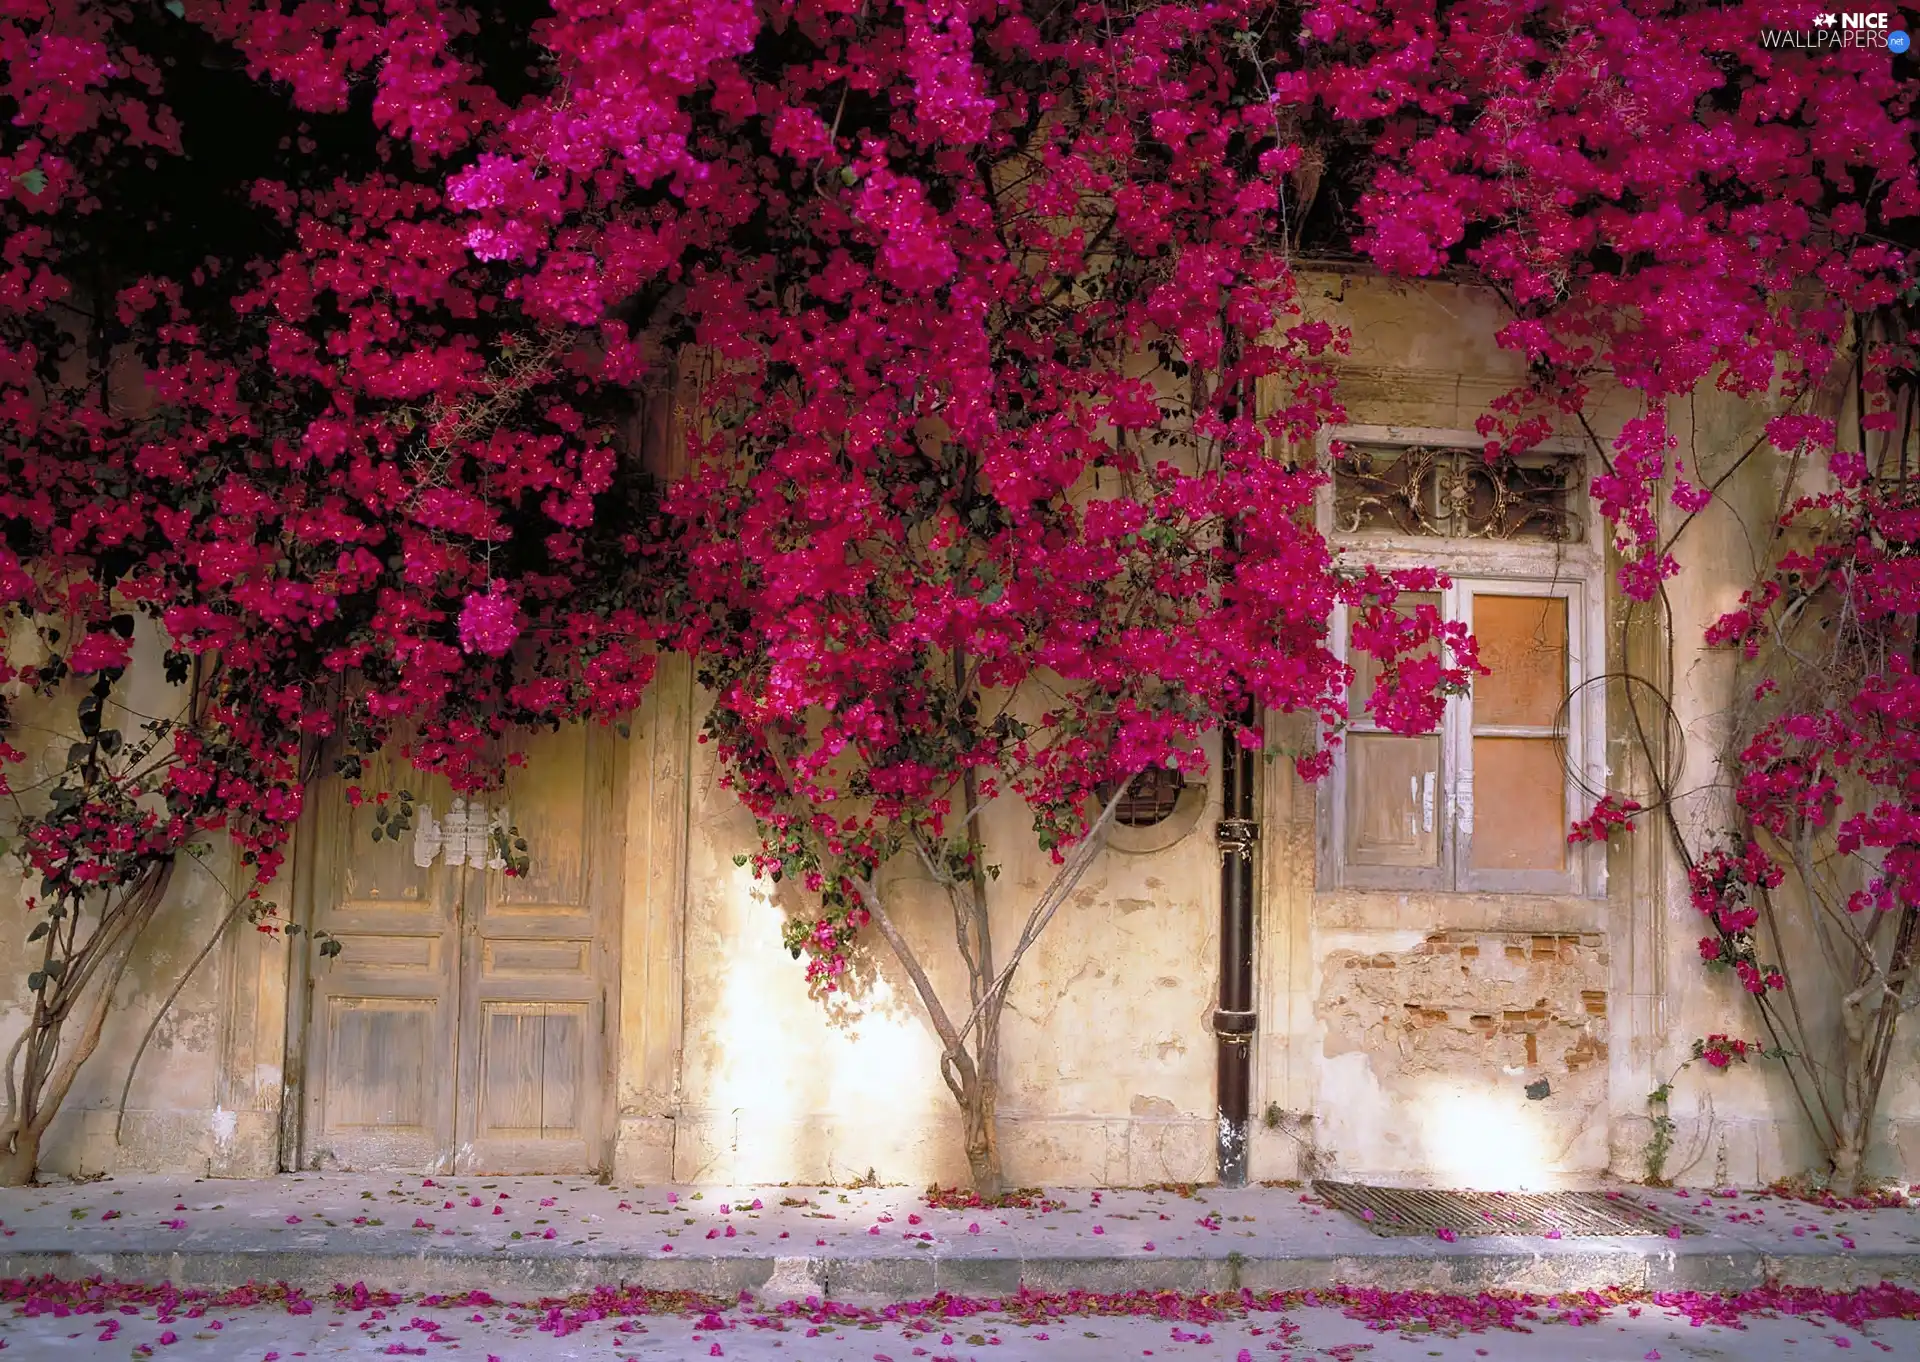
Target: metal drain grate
x: 1407, y: 1211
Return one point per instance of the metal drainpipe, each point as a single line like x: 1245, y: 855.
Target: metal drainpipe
x: 1234, y: 1020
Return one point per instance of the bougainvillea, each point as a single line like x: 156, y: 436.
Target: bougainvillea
x: 272, y: 419
x: 1667, y: 196
x: 1000, y: 397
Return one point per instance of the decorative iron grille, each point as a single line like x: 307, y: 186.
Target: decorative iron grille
x: 1457, y: 493
x: 1150, y: 797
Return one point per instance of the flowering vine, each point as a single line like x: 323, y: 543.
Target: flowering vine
x: 999, y: 402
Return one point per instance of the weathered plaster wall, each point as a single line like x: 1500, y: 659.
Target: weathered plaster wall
x: 730, y: 1071
x: 1107, y: 1065
x: 206, y: 1096
x: 1401, y: 1032
x: 1741, y: 1126
x: 1500, y: 1037
x: 1400, y: 1035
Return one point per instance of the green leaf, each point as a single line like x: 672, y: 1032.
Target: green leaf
x: 35, y: 181
x: 40, y: 929
x: 176, y: 9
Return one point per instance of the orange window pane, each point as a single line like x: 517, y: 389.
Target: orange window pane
x: 1366, y: 669
x: 1519, y: 805
x: 1523, y: 642
x: 1393, y: 800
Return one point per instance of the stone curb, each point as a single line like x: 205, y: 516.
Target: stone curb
x: 1710, y: 1264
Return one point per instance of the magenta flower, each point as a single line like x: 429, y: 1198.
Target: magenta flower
x: 489, y: 624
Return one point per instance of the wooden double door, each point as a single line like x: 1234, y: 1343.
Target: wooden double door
x: 463, y: 1027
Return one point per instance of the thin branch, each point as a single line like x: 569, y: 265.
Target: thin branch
x: 120, y: 1118
x: 942, y: 1023
x: 1049, y: 903
x: 57, y: 1083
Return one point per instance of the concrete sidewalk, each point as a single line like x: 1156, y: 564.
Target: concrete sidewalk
x: 520, y: 1238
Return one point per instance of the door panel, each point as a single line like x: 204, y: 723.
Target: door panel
x: 382, y: 1050
x: 529, y: 1071
x: 379, y: 1091
x: 462, y: 1027
x: 1391, y: 786
x: 535, y: 1089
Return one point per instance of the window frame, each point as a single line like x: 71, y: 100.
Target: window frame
x: 1572, y: 570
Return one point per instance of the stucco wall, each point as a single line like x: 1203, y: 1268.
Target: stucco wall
x: 1107, y: 1068
x: 1400, y: 1033
x: 206, y: 1095
x: 1394, y: 1040
x: 1743, y: 1125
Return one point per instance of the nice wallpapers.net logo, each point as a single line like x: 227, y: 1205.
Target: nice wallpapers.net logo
x: 1837, y: 32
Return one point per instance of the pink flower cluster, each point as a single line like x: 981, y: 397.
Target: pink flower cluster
x: 1720, y: 1051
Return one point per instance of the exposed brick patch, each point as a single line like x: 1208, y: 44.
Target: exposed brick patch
x: 1473, y: 1003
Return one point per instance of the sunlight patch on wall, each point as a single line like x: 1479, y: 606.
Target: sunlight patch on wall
x: 1476, y: 1140
x: 805, y: 1089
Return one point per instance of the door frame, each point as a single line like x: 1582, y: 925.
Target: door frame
x: 316, y: 833
x: 307, y: 836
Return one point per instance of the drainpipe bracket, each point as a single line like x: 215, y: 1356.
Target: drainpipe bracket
x: 1236, y: 837
x: 1234, y: 1027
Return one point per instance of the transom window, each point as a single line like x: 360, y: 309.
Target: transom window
x: 1457, y: 493
x: 1484, y: 803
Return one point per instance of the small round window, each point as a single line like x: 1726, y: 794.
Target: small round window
x: 1156, y: 811
x: 1150, y: 798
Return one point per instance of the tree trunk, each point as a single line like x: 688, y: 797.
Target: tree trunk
x: 979, y: 1110
x: 973, y: 1077
x: 1847, y: 1155
x: 1870, y: 1019
x: 20, y: 1136
x: 45, y: 1075
x: 1856, y: 1116
x: 18, y: 1166
x: 1855, y: 1119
